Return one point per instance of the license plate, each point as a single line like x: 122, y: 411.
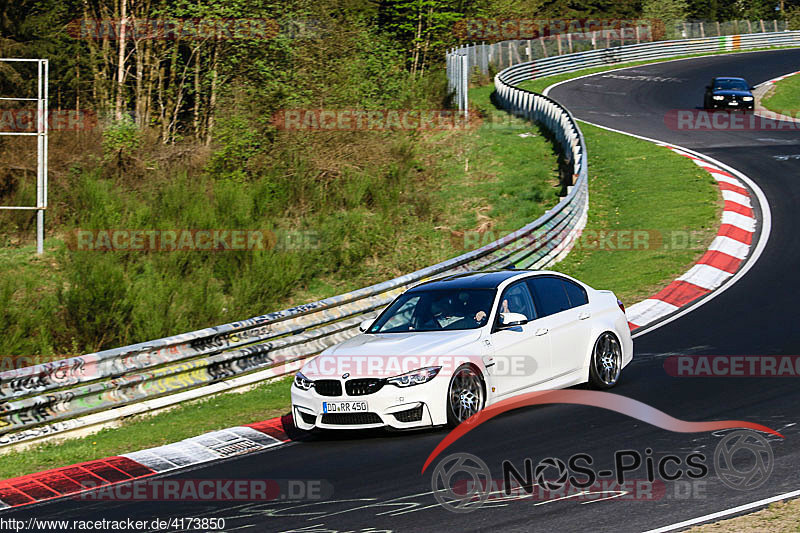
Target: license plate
x: 344, y: 407
x: 734, y: 103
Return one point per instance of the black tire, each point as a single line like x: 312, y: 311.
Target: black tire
x: 605, y: 366
x: 466, y: 394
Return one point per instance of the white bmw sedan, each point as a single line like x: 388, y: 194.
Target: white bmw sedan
x: 447, y: 348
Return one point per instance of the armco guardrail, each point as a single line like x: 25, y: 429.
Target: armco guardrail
x: 463, y: 62
x: 54, y: 397
x: 48, y: 397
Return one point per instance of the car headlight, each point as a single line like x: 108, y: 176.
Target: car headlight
x: 302, y: 382
x: 718, y: 97
x: 415, y: 377
x: 747, y: 99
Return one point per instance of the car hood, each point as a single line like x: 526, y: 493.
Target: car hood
x: 733, y: 93
x: 418, y: 346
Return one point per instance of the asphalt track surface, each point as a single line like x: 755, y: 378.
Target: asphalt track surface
x: 376, y: 477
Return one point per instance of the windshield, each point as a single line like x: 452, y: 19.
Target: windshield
x: 730, y: 85
x: 436, y: 310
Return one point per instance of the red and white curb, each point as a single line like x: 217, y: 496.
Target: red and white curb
x: 83, y: 477
x: 779, y: 78
x: 725, y: 255
x: 761, y: 90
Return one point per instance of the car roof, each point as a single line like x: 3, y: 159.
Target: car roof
x: 728, y: 78
x: 490, y: 279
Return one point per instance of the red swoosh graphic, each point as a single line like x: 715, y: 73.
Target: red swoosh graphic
x: 604, y: 400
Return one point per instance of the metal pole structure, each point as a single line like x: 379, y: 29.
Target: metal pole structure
x: 41, y: 144
x: 39, y: 166
x: 465, y: 82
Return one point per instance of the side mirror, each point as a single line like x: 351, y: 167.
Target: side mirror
x: 752, y: 89
x: 708, y: 87
x: 365, y: 325
x: 509, y: 320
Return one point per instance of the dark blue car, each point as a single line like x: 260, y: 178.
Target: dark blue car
x: 729, y: 93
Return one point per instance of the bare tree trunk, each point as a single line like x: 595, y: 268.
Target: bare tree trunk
x: 152, y: 74
x: 212, y: 101
x: 169, y: 94
x: 121, y: 63
x: 196, y: 107
x: 418, y: 37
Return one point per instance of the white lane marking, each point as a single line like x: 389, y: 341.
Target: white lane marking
x: 740, y: 221
x: 735, y: 197
x: 703, y: 164
x: 726, y: 512
x: 729, y: 246
x: 649, y: 310
x: 705, y: 276
x: 726, y: 179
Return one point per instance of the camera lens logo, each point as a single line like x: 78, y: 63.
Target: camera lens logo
x: 457, y: 471
x: 551, y: 473
x: 743, y: 460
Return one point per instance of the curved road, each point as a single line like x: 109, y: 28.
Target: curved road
x: 375, y: 478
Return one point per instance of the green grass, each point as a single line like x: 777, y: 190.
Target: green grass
x: 637, y: 185
x: 784, y: 98
x: 490, y: 179
x: 146, y: 431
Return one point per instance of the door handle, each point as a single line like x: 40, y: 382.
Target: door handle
x: 584, y: 315
x: 541, y: 331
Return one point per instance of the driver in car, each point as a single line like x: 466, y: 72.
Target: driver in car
x: 480, y: 315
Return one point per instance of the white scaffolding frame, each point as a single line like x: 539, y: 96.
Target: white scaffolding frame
x: 41, y: 145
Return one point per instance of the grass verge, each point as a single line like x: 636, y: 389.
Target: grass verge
x: 784, y: 97
x: 147, y: 431
x: 497, y: 178
x: 779, y: 517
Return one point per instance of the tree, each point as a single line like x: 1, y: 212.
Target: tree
x: 668, y: 12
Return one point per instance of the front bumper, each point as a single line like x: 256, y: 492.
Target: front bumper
x: 412, y: 407
x: 740, y: 105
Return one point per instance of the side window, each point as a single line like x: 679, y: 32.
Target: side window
x: 577, y: 294
x: 517, y: 299
x: 549, y: 295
